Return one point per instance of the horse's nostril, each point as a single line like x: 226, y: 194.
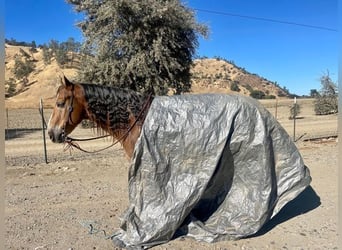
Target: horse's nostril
x: 50, y: 135
x: 61, y: 138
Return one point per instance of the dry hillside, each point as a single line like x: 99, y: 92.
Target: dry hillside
x: 217, y: 75
x: 41, y: 83
x: 208, y: 75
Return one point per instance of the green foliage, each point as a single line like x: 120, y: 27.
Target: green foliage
x: 257, y: 94
x: 22, y: 68
x: 25, y: 54
x: 63, y: 52
x: 33, y: 48
x: 14, y: 42
x: 61, y: 55
x: 10, y: 90
x: 326, y: 100
x: 294, y: 110
x: 270, y: 97
x: 281, y: 93
x: 314, y: 93
x: 248, y: 87
x: 138, y: 44
x: 235, y: 87
x: 47, y: 55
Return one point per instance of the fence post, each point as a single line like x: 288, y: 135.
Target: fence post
x: 43, y: 127
x: 294, y: 118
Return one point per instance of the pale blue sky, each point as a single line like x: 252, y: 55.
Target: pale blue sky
x: 292, y: 42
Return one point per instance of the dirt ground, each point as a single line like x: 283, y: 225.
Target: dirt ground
x: 50, y: 206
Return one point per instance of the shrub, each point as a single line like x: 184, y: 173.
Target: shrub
x: 257, y: 94
x: 10, y: 90
x: 235, y: 87
x: 326, y: 100
x: 270, y: 97
x: 22, y: 68
x: 294, y: 111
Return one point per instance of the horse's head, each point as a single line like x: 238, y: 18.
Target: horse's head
x: 68, y: 111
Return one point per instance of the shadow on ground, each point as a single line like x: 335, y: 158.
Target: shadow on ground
x: 305, y: 202
x: 19, y: 132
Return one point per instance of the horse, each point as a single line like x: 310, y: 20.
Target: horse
x: 118, y: 112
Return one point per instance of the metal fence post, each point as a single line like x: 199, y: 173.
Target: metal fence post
x: 43, y: 127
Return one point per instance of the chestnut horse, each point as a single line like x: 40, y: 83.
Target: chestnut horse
x: 118, y: 112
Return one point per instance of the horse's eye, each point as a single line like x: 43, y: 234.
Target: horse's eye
x: 60, y: 104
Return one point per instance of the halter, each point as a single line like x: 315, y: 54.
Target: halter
x: 70, y: 110
x: 71, y: 141
x: 71, y: 106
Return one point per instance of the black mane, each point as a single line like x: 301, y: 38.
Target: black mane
x: 111, y: 106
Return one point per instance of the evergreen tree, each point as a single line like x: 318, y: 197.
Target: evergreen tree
x: 139, y: 44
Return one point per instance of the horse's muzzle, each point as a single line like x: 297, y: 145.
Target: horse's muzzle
x: 56, y: 135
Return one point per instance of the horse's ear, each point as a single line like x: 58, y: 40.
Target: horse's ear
x: 66, y: 82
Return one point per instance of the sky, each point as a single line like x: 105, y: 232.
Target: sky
x: 291, y: 42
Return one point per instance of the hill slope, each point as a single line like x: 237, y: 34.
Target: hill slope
x: 218, y: 75
x: 208, y: 76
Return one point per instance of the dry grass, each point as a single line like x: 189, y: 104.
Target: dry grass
x: 209, y: 76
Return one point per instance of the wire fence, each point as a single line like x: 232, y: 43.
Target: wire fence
x: 21, y: 121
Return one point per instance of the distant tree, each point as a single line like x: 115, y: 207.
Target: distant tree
x: 33, y: 48
x: 10, y: 87
x: 61, y: 54
x: 56, y: 51
x: 281, y: 93
x: 47, y: 54
x: 270, y: 97
x: 257, y: 94
x: 235, y: 87
x: 53, y: 45
x: 22, y: 68
x: 248, y: 87
x: 26, y: 55
x: 139, y: 44
x: 294, y: 110
x: 70, y: 47
x: 326, y: 100
x: 287, y: 92
x: 313, y: 93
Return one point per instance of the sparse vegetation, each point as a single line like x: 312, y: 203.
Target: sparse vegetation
x: 47, y: 55
x: 10, y: 87
x: 257, y: 94
x: 294, y: 110
x: 235, y: 87
x: 281, y: 93
x: 326, y: 99
x: 248, y: 87
x: 270, y: 97
x: 314, y: 93
x: 22, y: 68
x: 213, y: 75
x: 14, y: 42
x: 63, y: 52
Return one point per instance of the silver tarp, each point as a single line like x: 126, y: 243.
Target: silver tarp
x: 212, y: 167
